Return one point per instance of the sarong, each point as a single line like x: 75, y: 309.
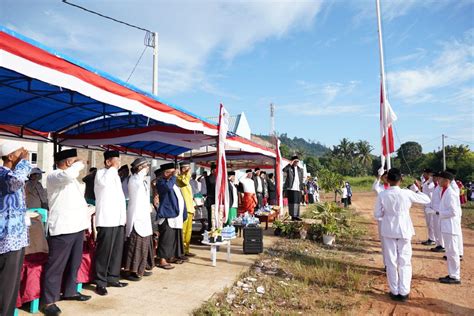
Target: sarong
x: 170, y: 242
x: 249, y: 202
x: 137, y: 249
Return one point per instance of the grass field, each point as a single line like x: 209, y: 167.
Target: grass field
x: 468, y: 214
x: 297, y: 276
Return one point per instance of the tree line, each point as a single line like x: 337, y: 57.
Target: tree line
x: 354, y: 159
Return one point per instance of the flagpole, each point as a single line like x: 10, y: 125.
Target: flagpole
x: 384, y: 90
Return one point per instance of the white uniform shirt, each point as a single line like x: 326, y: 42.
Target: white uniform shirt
x: 296, y: 180
x: 377, y: 186
x: 139, y: 208
x: 248, y: 184
x: 450, y: 212
x: 436, y: 198
x: 393, y: 206
x: 68, y: 211
x: 427, y: 187
x: 110, y: 207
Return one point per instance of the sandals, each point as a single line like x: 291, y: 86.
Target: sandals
x: 166, y: 266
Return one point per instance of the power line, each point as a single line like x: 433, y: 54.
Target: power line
x: 401, y: 149
x: 460, y: 140
x: 105, y: 16
x: 138, y: 61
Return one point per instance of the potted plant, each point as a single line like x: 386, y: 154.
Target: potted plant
x: 278, y: 226
x: 330, y: 230
x: 219, y: 235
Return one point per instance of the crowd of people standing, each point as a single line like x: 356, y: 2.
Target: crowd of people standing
x: 439, y: 195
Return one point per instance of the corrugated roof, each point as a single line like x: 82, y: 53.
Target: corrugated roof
x: 233, y: 122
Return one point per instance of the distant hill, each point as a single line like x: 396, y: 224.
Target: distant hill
x: 299, y: 145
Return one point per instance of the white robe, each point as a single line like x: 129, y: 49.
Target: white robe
x: 139, y: 208
x: 68, y: 210
x: 109, y: 199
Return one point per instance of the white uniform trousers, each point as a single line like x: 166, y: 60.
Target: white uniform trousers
x: 461, y: 245
x: 437, y: 229
x: 379, y: 226
x: 397, y: 253
x: 430, y: 225
x: 452, y: 254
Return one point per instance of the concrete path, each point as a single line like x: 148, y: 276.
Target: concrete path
x: 169, y: 292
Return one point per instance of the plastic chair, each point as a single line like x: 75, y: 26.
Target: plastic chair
x: 44, y: 217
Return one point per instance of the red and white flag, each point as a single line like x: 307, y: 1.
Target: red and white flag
x: 222, y: 191
x: 279, y: 176
x: 387, y: 117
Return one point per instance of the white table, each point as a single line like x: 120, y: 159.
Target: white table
x: 214, y: 246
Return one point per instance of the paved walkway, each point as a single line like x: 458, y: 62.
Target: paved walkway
x: 174, y: 292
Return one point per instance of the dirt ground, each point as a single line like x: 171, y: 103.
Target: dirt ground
x: 174, y: 292
x: 428, y: 296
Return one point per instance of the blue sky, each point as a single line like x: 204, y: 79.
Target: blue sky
x: 317, y: 61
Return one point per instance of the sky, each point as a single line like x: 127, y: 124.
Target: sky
x: 317, y: 61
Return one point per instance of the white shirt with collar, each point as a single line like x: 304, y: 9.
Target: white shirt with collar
x: 393, y: 206
x: 450, y: 212
x: 139, y: 208
x: 110, y: 207
x: 68, y: 210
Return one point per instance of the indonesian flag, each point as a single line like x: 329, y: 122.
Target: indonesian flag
x: 279, y: 176
x: 387, y: 117
x: 222, y: 190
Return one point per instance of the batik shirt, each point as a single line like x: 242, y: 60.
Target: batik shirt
x: 13, y: 230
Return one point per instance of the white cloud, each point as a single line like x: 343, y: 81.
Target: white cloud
x: 393, y: 9
x: 190, y: 33
x: 453, y: 66
x: 327, y: 92
x: 313, y: 109
x: 419, y: 53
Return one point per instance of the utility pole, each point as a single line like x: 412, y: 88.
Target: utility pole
x: 155, y: 63
x: 272, y: 119
x: 444, y: 152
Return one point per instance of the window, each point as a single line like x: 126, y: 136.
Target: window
x: 34, y: 158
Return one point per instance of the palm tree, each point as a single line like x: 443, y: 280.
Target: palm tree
x: 364, y: 149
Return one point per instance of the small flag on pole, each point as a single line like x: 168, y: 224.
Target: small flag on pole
x: 387, y: 117
x: 279, y: 176
x: 222, y: 192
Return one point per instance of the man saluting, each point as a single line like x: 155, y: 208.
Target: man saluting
x: 393, y: 207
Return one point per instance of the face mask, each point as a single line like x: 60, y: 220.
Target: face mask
x: 143, y: 172
x: 80, y: 164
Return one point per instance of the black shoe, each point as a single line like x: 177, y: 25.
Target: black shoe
x: 449, y: 280
x: 394, y: 297
x: 403, y: 298
x: 428, y: 242
x: 117, y: 284
x: 51, y: 310
x: 147, y: 273
x: 78, y: 297
x: 438, y: 249
x: 101, y: 290
x: 133, y: 277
